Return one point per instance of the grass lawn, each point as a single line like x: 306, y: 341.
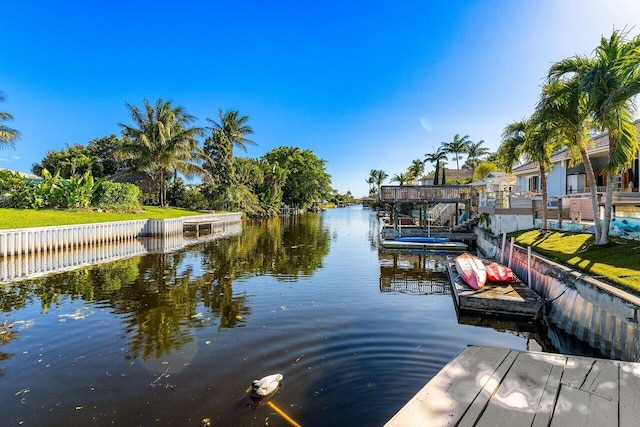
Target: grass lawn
x: 617, y: 263
x: 25, y: 218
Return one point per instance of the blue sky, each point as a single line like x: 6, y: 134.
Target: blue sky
x: 364, y: 84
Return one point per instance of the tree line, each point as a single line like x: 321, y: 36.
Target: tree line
x: 479, y: 160
x: 162, y: 145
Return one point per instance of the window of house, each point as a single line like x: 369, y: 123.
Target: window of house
x: 534, y: 183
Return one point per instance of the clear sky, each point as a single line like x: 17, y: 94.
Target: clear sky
x: 369, y: 84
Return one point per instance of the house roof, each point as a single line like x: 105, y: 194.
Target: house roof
x: 26, y: 175
x: 141, y: 179
x: 496, y: 177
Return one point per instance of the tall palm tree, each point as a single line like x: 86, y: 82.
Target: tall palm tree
x: 8, y: 136
x: 378, y: 178
x: 437, y: 157
x: 231, y: 130
x: 160, y: 140
x: 400, y: 178
x: 371, y: 182
x: 529, y: 140
x: 563, y: 106
x: 457, y: 147
x: 610, y: 80
x: 475, y: 152
x: 416, y: 169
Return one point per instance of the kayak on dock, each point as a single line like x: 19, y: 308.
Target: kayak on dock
x: 471, y: 269
x: 499, y: 273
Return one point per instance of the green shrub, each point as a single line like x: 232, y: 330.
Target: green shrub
x: 116, y: 196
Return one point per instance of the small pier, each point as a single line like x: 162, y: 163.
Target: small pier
x: 506, y: 299
x: 206, y: 224
x: 486, y: 386
x: 434, y: 246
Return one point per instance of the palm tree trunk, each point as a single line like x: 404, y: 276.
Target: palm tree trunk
x: 543, y: 183
x: 608, y: 196
x: 594, y: 191
x: 163, y: 188
x: 608, y: 208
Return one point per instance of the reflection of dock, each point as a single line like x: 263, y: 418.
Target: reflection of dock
x: 510, y: 299
x: 413, y: 273
x: 414, y: 286
x: 25, y: 266
x: 496, y: 386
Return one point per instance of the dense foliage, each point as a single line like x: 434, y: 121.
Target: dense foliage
x: 56, y: 192
x: 156, y: 152
x: 306, y: 180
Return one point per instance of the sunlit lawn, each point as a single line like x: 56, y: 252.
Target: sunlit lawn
x: 617, y: 263
x: 25, y: 218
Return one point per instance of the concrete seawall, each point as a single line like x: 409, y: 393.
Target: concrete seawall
x: 41, y: 263
x: 591, y: 310
x: 43, y: 239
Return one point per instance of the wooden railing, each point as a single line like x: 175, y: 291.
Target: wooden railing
x: 426, y: 193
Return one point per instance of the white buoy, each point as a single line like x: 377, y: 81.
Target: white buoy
x: 266, y: 385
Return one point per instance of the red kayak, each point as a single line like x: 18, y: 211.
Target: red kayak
x: 472, y: 270
x: 499, y: 273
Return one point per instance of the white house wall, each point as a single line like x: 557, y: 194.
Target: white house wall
x: 556, y: 179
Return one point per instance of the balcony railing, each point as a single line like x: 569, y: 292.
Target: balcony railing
x: 426, y: 193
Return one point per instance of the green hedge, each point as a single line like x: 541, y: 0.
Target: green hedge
x: 117, y: 196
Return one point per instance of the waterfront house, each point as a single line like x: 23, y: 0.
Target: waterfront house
x: 570, y: 182
x: 494, y: 190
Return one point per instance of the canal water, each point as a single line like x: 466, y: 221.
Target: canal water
x: 176, y: 338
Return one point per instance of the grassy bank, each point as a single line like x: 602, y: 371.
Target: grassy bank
x: 617, y: 263
x: 25, y: 218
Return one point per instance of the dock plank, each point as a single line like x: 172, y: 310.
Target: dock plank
x: 629, y: 392
x: 579, y: 408
x: 596, y: 376
x: 502, y: 387
x: 521, y: 392
x: 477, y: 407
x: 448, y: 395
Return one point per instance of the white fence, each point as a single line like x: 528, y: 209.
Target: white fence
x: 43, y: 239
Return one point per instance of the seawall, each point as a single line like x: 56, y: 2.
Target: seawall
x: 591, y: 310
x: 43, y: 239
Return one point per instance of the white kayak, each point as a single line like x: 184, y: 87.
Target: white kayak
x: 472, y: 270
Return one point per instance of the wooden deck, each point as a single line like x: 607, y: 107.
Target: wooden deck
x: 511, y: 299
x: 486, y: 386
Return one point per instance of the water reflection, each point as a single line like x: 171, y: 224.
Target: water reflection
x: 418, y: 272
x: 163, y: 296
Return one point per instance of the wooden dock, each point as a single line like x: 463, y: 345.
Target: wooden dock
x: 486, y: 386
x: 434, y: 246
x: 200, y: 224
x: 510, y: 299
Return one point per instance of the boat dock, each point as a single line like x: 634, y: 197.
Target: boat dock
x: 510, y: 299
x: 486, y: 386
x: 434, y: 246
x: 197, y: 225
